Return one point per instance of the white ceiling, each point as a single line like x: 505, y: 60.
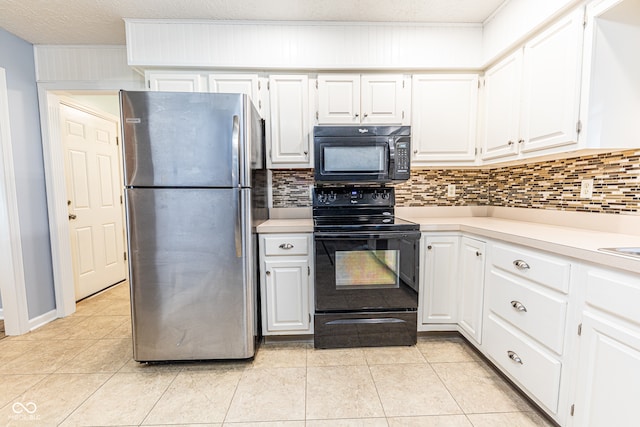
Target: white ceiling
x: 100, y: 21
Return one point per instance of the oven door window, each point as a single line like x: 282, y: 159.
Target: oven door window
x: 366, y: 273
x: 367, y: 269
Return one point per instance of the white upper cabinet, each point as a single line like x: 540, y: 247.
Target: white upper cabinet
x: 248, y: 84
x: 610, y: 99
x: 288, y: 126
x: 363, y: 99
x: 551, y: 86
x: 443, y: 122
x: 532, y: 97
x: 502, y: 108
x: 175, y: 82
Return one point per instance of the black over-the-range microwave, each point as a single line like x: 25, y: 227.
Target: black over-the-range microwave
x: 362, y: 153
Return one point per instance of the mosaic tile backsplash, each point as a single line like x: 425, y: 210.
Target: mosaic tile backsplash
x: 551, y: 184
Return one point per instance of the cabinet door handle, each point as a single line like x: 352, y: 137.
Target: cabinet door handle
x: 429, y: 247
x: 518, y: 306
x: 513, y: 356
x: 268, y: 273
x: 510, y: 143
x: 366, y: 115
x: 521, y: 265
x: 521, y: 141
x: 478, y: 253
x: 286, y: 246
x: 357, y: 115
x: 72, y: 216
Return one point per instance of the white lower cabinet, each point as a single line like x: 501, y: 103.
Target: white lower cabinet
x: 438, y: 282
x: 471, y: 288
x: 566, y: 333
x: 525, y: 321
x: 608, y: 373
x: 285, y: 285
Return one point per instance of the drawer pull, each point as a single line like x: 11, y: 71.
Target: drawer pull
x: 513, y: 356
x: 521, y: 265
x: 286, y: 246
x: 518, y: 306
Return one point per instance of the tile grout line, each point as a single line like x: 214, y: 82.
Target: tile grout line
x: 161, y: 396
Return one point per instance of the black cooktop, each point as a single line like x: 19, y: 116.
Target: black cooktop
x: 353, y: 209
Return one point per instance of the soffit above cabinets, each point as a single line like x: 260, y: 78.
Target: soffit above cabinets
x: 101, y: 22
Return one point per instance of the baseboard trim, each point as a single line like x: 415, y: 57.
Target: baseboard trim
x: 43, y: 319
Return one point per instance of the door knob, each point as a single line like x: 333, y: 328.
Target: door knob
x: 72, y: 216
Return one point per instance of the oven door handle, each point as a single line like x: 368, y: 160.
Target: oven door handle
x: 383, y: 320
x: 360, y: 235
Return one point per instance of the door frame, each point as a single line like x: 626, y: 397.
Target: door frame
x: 53, y: 152
x: 12, y: 282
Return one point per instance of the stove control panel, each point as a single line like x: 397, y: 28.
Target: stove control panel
x: 354, y: 196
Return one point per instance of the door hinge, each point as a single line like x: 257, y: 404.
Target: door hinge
x: 402, y: 84
x: 125, y: 256
x: 476, y: 151
x: 270, y: 155
x: 478, y: 84
x: 259, y: 84
x: 573, y: 409
x: 403, y: 115
x: 309, y: 317
x: 121, y: 199
x: 259, y: 104
x: 578, y: 126
x: 317, y: 115
x: 316, y: 84
x: 149, y: 84
x: 117, y: 140
x: 580, y: 330
x: 308, y: 271
x: 268, y: 85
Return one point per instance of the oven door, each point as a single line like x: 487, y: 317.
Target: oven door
x: 374, y: 272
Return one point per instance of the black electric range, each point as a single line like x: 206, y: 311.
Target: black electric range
x: 366, y: 269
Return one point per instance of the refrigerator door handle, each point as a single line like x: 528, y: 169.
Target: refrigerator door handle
x: 238, y: 226
x: 235, y: 144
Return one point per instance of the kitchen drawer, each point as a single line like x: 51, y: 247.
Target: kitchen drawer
x: 537, y: 371
x: 547, y: 270
x: 281, y: 244
x: 529, y: 307
x: 614, y: 292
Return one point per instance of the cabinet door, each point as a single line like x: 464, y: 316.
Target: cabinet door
x: 287, y: 295
x: 338, y: 99
x: 175, y: 82
x: 470, y: 300
x: 609, y: 373
x: 289, y: 121
x: 444, y: 117
x: 438, y: 295
x: 384, y: 99
x: 502, y: 108
x: 237, y: 83
x: 551, y: 86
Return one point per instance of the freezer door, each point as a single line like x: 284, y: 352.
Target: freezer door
x: 184, y: 139
x: 193, y: 288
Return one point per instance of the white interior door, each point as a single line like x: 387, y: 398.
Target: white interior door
x: 94, y: 191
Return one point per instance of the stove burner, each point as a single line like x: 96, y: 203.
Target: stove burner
x: 357, y: 209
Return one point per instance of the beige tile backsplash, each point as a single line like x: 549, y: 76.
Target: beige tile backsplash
x: 553, y: 184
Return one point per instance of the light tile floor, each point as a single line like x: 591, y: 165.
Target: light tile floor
x: 79, y: 371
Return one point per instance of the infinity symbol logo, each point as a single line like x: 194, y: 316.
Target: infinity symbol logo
x: 29, y: 408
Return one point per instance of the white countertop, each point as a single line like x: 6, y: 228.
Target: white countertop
x: 579, y: 243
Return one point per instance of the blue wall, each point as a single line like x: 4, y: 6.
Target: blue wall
x: 16, y: 57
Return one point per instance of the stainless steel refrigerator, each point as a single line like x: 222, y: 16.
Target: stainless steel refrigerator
x: 195, y: 182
